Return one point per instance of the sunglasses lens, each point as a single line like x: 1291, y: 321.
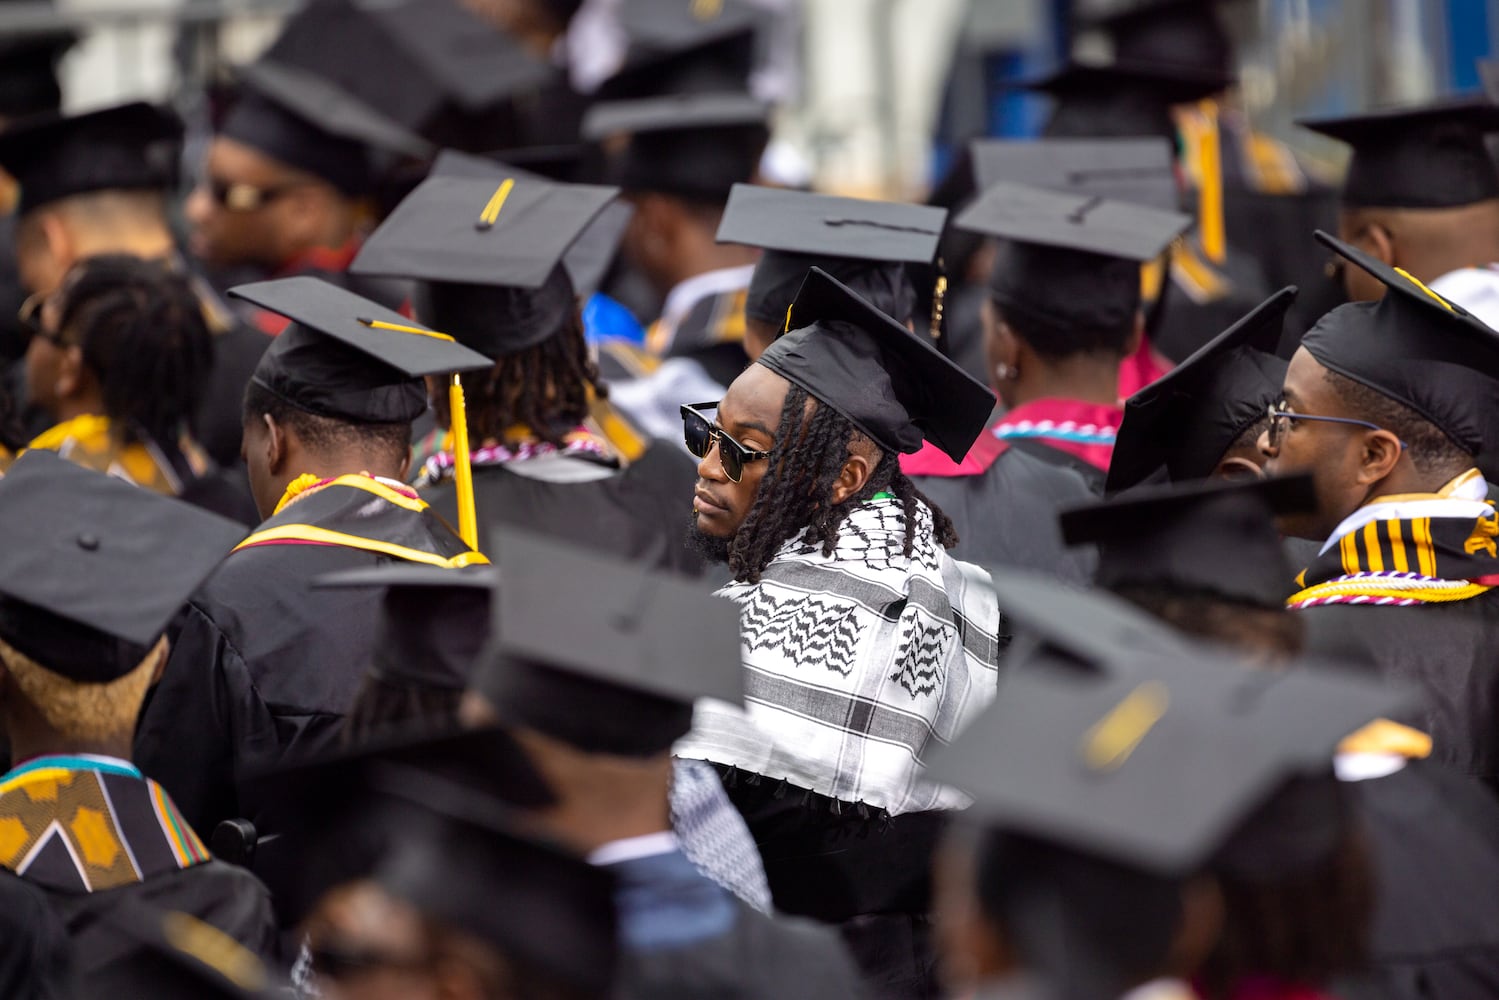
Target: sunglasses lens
x: 696, y: 433
x: 733, y: 462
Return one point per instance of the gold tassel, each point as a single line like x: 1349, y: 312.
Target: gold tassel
x: 463, y: 470
x: 939, y: 301
x: 1210, y: 224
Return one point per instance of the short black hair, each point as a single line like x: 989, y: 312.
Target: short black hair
x: 1248, y: 628
x: 548, y: 388
x: 812, y: 444
x: 1059, y: 341
x: 142, y: 332
x: 1431, y: 450
x: 327, y: 434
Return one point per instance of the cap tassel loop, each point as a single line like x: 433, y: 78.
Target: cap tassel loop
x: 463, y: 470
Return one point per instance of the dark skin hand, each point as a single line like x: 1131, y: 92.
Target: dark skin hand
x: 1351, y: 465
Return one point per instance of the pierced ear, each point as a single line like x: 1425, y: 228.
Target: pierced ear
x: 1238, y: 470
x: 852, y: 477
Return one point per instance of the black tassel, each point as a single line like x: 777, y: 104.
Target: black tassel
x: 780, y: 792
x: 752, y: 779
x: 836, y: 808
x: 863, y: 810
x: 731, y: 780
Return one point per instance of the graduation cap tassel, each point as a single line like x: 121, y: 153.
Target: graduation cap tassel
x: 939, y: 299
x: 463, y: 470
x: 1210, y: 186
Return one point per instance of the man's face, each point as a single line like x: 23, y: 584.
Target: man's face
x: 749, y: 413
x: 368, y: 945
x: 1329, y: 451
x: 254, y: 227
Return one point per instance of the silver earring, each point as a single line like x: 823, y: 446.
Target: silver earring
x: 1005, y: 373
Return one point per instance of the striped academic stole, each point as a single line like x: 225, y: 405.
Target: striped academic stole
x: 79, y: 825
x: 1401, y: 562
x: 360, y: 512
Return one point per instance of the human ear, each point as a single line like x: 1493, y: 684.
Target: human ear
x: 852, y: 477
x: 1382, y: 451
x: 70, y: 373
x: 1238, y: 470
x: 1379, y: 242
x: 275, y: 445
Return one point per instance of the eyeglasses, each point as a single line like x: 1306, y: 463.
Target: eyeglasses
x: 1280, y: 415
x: 237, y: 196
x: 29, y: 316
x: 339, y: 962
x: 700, y: 433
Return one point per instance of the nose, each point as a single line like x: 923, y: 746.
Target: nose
x: 198, y: 206
x: 710, y: 466
x: 1264, y: 445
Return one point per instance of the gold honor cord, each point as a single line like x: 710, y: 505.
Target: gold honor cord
x: 463, y: 469
x: 491, y: 213
x: 1110, y: 742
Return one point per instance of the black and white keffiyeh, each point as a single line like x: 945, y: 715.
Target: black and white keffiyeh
x: 857, y: 664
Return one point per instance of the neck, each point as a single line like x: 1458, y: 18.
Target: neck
x: 1088, y: 378
x: 88, y: 404
x: 710, y: 256
x: 338, y: 226
x: 149, y: 242
x: 1406, y: 479
x: 27, y: 743
x: 349, y: 465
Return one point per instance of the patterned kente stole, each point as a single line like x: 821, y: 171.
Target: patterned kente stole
x: 1406, y: 550
x: 81, y: 824
x: 361, y: 512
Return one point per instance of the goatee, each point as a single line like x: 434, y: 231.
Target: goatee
x: 710, y: 547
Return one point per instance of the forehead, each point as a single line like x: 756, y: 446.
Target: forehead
x: 755, y: 399
x: 232, y: 160
x: 1305, y: 386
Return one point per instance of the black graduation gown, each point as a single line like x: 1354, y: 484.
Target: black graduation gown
x: 35, y: 955
x: 1433, y: 837
x: 642, y: 511
x: 265, y: 666
x: 1006, y: 515
x: 1448, y: 651
x: 761, y: 958
x: 847, y: 864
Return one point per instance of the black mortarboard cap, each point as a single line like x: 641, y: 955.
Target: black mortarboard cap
x: 68, y: 537
x: 467, y: 862
x: 591, y: 254
x: 433, y: 622
x: 1155, y: 759
x: 428, y: 64
x: 323, y: 822
x: 28, y: 71
x: 349, y: 358
x: 1115, y: 101
x: 490, y: 251
x: 1430, y: 156
x: 892, y: 384
x: 126, y: 147
x: 858, y: 241
x: 604, y: 655
x: 307, y: 122
x: 691, y: 47
x: 1414, y: 347
x: 167, y: 954
x: 1217, y: 539
x: 1181, y: 39
x: 1068, y: 261
x: 1139, y: 171
x: 694, y: 146
x: 1185, y: 421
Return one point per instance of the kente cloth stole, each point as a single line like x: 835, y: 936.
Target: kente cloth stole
x: 75, y: 825
x: 1401, y: 562
x: 358, y: 512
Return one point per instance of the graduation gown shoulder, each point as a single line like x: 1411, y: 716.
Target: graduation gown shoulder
x: 1006, y: 516
x: 639, y: 511
x: 1448, y: 651
x: 760, y: 958
x: 1434, y: 840
x: 264, y: 665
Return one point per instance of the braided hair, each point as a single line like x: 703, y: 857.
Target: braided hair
x: 813, y: 442
x: 547, y: 388
x: 142, y: 333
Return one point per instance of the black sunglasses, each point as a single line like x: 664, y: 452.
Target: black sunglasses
x: 699, y: 433
x: 240, y: 197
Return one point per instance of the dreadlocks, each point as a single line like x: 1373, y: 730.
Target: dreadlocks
x: 813, y: 442
x: 142, y: 332
x: 546, y: 388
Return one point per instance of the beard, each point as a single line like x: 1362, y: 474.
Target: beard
x: 712, y: 548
